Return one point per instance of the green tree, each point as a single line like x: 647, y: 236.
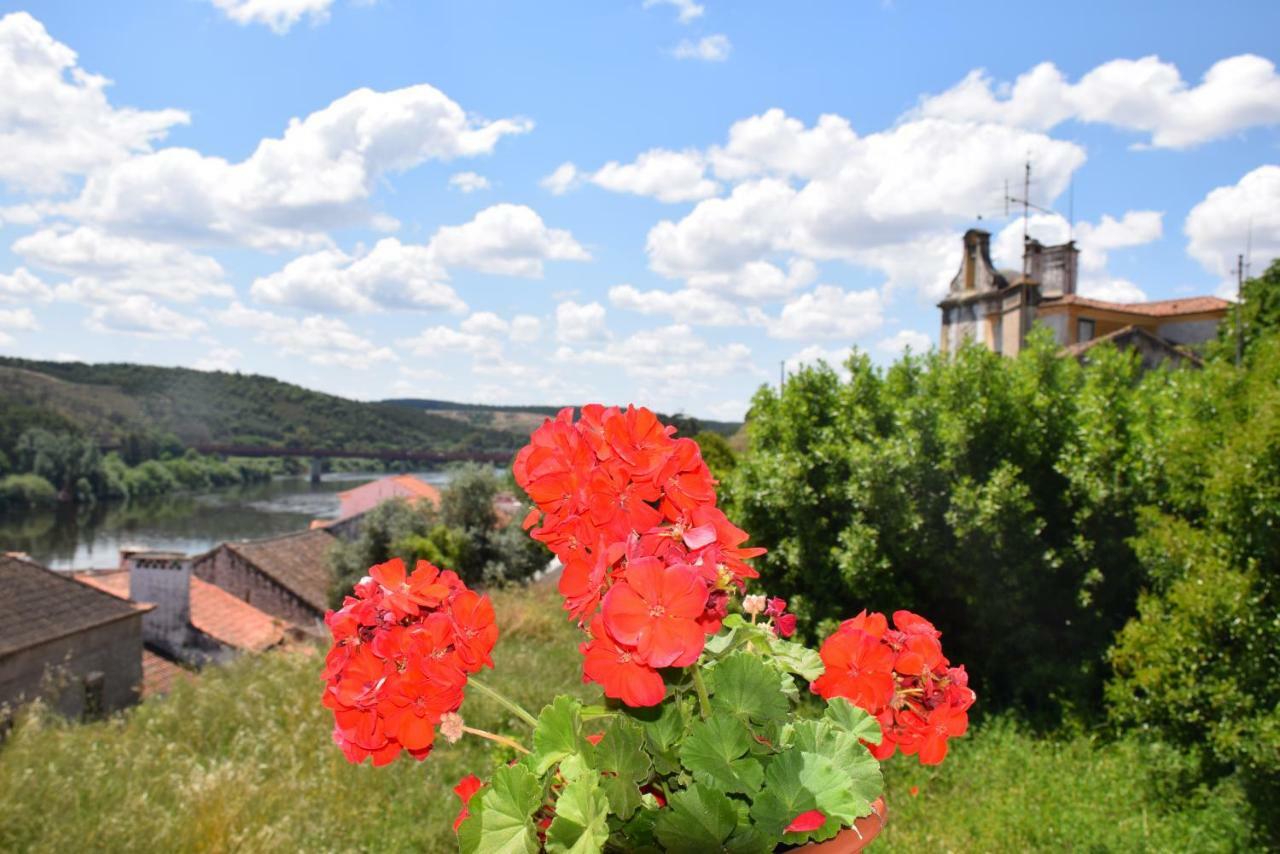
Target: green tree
x: 994, y: 495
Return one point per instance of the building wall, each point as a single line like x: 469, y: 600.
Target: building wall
x: 56, y: 671
x: 1189, y: 331
x: 224, y: 568
x: 164, y: 581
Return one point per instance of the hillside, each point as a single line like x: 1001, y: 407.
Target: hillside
x: 524, y: 418
x: 113, y: 400
x: 110, y: 401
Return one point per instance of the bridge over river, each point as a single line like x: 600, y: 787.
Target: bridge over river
x: 316, y: 455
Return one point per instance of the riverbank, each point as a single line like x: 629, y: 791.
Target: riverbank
x: 87, y: 537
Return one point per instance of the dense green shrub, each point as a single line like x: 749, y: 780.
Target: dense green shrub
x: 26, y: 491
x: 1200, y: 664
x: 996, y: 495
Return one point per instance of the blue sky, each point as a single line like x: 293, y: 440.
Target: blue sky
x: 621, y: 201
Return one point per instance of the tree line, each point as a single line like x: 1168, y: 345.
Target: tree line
x: 1098, y: 544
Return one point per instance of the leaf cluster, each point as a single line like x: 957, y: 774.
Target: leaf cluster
x: 684, y: 776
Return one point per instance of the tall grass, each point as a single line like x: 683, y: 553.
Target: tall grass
x: 241, y: 759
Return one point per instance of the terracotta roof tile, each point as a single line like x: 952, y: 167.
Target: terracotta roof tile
x: 159, y: 674
x: 1158, y: 308
x: 214, y: 611
x: 420, y: 488
x: 297, y: 562
x: 38, y: 605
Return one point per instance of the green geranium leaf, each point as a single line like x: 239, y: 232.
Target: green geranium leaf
x: 697, y: 820
x: 836, y: 792
x: 749, y: 840
x: 744, y: 686
x: 558, y: 734
x: 664, y: 725
x: 797, y: 658
x: 713, y: 752
x: 783, y: 796
x: 853, y: 720
x: 621, y: 754
x: 581, y: 824
x: 501, y: 820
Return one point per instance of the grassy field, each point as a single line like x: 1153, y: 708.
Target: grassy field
x: 241, y: 760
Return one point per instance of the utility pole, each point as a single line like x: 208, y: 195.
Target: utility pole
x: 1239, y: 307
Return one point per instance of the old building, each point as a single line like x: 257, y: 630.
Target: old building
x: 369, y: 495
x: 190, y: 620
x: 77, y: 648
x: 287, y: 577
x: 998, y: 308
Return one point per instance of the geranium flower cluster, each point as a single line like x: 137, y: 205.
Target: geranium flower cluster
x: 900, y: 675
x: 403, y: 647
x: 649, y: 560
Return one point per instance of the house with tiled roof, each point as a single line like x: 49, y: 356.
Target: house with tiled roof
x: 77, y: 648
x: 367, y: 496
x: 190, y: 620
x: 287, y: 577
x: 998, y: 308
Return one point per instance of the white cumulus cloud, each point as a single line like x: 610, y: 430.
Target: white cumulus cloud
x: 55, y: 120
x: 141, y: 315
x: 325, y: 341
x: 686, y: 10
x: 278, y: 15
x: 393, y: 275
x: 104, y: 265
x: 291, y: 189
x: 1220, y: 226
x: 713, y: 48
x: 829, y: 312
x: 1146, y: 95
x: 506, y: 239
x: 580, y: 322
x: 468, y: 182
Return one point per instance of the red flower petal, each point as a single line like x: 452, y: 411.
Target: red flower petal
x: 806, y: 821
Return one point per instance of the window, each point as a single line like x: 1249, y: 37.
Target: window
x: 1084, y: 329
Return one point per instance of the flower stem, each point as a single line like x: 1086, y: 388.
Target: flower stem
x: 500, y: 739
x: 704, y: 703
x: 515, y: 708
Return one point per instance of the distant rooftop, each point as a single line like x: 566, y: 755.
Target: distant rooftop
x: 1158, y: 308
x: 38, y: 605
x: 213, y: 611
x: 298, y: 562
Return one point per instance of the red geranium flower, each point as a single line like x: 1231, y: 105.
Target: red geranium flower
x: 475, y: 630
x: 617, y: 670
x: 466, y: 788
x: 858, y: 668
x: 656, y: 610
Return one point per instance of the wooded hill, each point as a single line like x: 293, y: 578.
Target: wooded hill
x: 113, y: 401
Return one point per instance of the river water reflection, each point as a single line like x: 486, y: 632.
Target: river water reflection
x: 91, y: 537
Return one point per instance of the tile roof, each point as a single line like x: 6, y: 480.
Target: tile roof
x: 298, y: 562
x: 214, y: 611
x: 38, y: 605
x: 1126, y: 334
x: 1159, y: 308
x: 159, y: 674
x: 420, y: 488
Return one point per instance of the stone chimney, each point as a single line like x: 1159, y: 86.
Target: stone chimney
x: 1053, y: 267
x: 164, y: 580
x: 977, y: 273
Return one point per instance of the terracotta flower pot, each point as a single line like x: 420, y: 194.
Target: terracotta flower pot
x: 852, y: 839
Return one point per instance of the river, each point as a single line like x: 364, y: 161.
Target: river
x: 91, y: 537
